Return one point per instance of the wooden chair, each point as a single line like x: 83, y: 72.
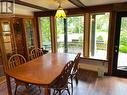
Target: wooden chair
x: 74, y: 71
x: 36, y: 52
x: 14, y: 61
x: 61, y: 82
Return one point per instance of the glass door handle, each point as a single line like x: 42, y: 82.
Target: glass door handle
x: 116, y: 50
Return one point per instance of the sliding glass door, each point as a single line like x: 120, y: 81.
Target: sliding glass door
x: 120, y: 47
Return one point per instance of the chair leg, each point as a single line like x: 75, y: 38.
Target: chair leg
x: 15, y: 90
x: 76, y: 79
x: 68, y: 91
x: 53, y: 92
x: 72, y: 84
x: 39, y: 89
x: 60, y: 92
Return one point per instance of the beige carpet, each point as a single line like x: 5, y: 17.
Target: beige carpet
x: 2, y: 79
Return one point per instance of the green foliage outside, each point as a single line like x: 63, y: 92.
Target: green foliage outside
x: 102, y: 22
x: 45, y: 29
x: 123, y: 43
x: 59, y: 27
x: 75, y: 24
x: 123, y: 36
x: 101, y: 30
x: 123, y: 48
x: 28, y: 26
x: 99, y: 38
x: 100, y: 45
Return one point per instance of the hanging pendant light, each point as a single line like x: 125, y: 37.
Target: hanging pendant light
x: 60, y: 12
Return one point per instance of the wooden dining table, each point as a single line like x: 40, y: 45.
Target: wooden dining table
x: 41, y: 71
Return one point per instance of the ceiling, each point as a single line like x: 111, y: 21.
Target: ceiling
x: 45, y: 5
x: 100, y: 2
x: 50, y: 4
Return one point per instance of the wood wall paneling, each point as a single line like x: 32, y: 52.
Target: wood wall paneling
x: 120, y: 7
x: 111, y: 37
x: 53, y: 34
x: 37, y: 31
x: 86, y: 34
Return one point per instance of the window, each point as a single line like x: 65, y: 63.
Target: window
x: 75, y: 34
x: 99, y: 28
x: 60, y: 34
x: 70, y: 34
x: 45, y: 35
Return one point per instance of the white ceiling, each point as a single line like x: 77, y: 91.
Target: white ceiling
x: 53, y: 4
x: 19, y: 9
x: 100, y: 2
x: 50, y: 4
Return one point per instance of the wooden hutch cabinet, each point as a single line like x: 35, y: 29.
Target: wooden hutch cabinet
x: 18, y: 35
x: 24, y: 32
x: 7, y: 44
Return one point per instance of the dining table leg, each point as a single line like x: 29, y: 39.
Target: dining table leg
x: 9, y: 85
x: 47, y: 91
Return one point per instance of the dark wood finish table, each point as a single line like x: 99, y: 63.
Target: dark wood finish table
x: 41, y: 71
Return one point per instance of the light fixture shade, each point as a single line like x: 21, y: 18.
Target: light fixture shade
x: 60, y: 13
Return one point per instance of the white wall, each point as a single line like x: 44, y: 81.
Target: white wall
x: 99, y: 66
x: 23, y: 10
